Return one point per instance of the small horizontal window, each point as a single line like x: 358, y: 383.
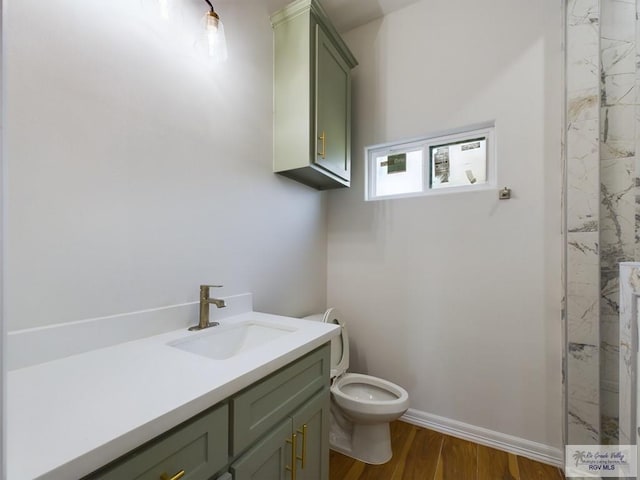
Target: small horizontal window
x: 459, y: 161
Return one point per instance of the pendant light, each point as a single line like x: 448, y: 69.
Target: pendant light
x: 216, y: 43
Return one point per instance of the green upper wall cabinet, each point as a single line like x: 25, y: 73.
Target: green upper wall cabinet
x: 312, y: 97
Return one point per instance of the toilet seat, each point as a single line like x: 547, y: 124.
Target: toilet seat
x: 339, y: 344
x: 388, y: 394
x: 391, y: 402
x: 381, y: 391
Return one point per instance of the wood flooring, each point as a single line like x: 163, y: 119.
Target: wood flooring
x: 421, y: 454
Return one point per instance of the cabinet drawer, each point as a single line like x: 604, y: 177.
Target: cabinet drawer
x: 199, y: 447
x: 266, y: 403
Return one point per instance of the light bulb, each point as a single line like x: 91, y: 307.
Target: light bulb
x: 164, y: 9
x: 212, y: 22
x: 215, y: 38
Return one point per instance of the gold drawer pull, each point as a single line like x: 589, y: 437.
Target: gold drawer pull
x: 177, y: 476
x: 303, y: 458
x: 292, y: 468
x: 323, y: 139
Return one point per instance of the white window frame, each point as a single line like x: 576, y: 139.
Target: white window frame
x: 473, y: 132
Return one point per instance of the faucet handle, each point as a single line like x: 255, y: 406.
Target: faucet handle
x: 204, y: 290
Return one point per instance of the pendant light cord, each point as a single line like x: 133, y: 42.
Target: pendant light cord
x: 210, y: 5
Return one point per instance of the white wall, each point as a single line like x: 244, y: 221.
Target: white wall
x: 3, y: 336
x: 136, y: 171
x: 457, y: 297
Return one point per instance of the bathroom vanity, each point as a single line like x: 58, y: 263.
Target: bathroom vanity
x: 276, y: 425
x: 155, y: 407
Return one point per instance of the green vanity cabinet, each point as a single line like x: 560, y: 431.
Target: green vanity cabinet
x: 312, y: 97
x: 198, y: 447
x: 260, y: 407
x: 254, y: 434
x: 283, y: 416
x: 297, y: 448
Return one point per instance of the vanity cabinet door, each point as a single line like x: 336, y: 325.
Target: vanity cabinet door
x: 333, y: 111
x: 311, y: 424
x: 269, y: 459
x: 302, y: 438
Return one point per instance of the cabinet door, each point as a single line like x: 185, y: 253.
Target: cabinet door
x: 311, y: 423
x: 333, y: 108
x: 268, y: 459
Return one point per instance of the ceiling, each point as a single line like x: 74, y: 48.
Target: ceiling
x: 348, y: 14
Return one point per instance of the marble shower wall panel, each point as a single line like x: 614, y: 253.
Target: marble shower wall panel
x: 582, y: 57
x: 583, y: 175
x: 582, y: 77
x: 618, y: 45
x: 609, y: 356
x: 583, y: 394
x: 618, y: 177
x: 618, y: 132
x: 617, y: 148
x: 617, y: 227
x: 583, y: 291
x: 636, y: 124
x: 583, y: 63
x: 583, y: 221
x: 583, y: 294
x: 603, y: 206
x: 629, y: 295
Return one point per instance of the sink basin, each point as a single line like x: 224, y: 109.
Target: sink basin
x: 222, y: 342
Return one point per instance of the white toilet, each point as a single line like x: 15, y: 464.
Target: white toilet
x: 361, y: 405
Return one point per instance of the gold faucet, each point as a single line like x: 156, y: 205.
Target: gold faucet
x: 205, y: 301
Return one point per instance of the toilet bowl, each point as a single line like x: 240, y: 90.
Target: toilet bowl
x: 361, y: 405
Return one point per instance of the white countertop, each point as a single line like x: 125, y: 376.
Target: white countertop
x: 70, y: 416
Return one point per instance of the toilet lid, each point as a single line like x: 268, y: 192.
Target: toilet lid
x: 339, y: 344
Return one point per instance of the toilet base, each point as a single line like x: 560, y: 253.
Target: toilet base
x: 369, y: 444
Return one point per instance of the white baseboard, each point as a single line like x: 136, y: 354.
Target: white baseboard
x: 500, y: 441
